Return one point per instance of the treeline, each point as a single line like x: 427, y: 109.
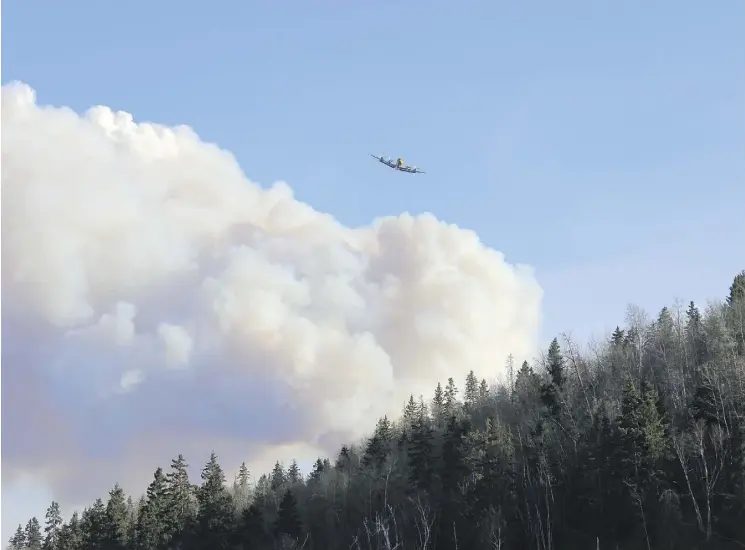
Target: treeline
x: 638, y: 443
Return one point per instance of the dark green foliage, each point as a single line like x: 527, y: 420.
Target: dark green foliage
x: 153, y: 528
x: 378, y: 446
x: 551, y: 392
x: 643, y: 449
x: 215, y: 517
x: 737, y: 289
x: 116, y: 520
x: 18, y: 540
x: 52, y: 527
x: 288, y: 518
x: 32, y: 535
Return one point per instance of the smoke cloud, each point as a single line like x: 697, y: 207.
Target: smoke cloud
x: 156, y: 301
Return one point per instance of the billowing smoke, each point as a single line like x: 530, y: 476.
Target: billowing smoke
x: 157, y: 301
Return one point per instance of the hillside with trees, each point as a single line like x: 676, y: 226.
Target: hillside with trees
x: 635, y: 443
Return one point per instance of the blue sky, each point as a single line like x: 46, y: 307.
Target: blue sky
x: 600, y: 142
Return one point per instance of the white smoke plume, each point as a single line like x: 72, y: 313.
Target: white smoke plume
x: 156, y: 301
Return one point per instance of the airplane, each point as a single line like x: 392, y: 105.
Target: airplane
x: 399, y: 165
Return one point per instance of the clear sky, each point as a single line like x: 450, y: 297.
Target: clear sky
x: 600, y: 142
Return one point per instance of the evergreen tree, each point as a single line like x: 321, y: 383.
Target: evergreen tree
x: 181, y: 499
x: 420, y: 452
x: 215, y: 515
x: 471, y: 390
x: 154, y: 528
x: 288, y: 518
x: 483, y: 391
x: 33, y: 537
x: 618, y: 337
x: 696, y: 335
x: 71, y: 534
x: 377, y: 448
x: 52, y: 527
x: 252, y: 532
x: 410, y: 413
x: 94, y: 526
x: 551, y: 394
x: 293, y: 473
x: 243, y: 477
x: 438, y: 406
x: 318, y: 468
x: 451, y: 398
x: 737, y: 289
x: 18, y: 540
x: 278, y: 477
x: 117, y: 520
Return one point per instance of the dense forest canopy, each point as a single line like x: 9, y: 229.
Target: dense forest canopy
x: 638, y: 443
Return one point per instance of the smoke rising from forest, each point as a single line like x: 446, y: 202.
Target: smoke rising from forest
x: 156, y: 301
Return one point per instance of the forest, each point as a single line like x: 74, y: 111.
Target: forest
x: 637, y: 442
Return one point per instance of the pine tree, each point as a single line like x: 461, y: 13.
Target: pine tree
x: 378, y: 446
x: 215, y: 515
x: 181, y: 499
x: 93, y: 525
x: 343, y: 460
x: 252, y: 532
x: 483, y: 391
x: 410, y: 412
x: 318, y: 468
x: 52, y: 527
x: 154, y: 530
x: 471, y: 394
x: 420, y: 452
x: 617, y: 338
x: 438, y: 406
x: 696, y: 335
x: 737, y: 289
x: 241, y: 488
x: 451, y: 398
x: 33, y: 536
x: 278, y: 477
x: 288, y: 518
x: 243, y: 476
x: 18, y: 540
x: 116, y: 520
x: 71, y: 535
x: 510, y: 366
x: 293, y: 473
x: 556, y: 364
x: 551, y: 393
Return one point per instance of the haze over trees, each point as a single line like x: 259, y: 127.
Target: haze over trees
x: 637, y: 444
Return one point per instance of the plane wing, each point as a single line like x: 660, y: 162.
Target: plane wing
x: 392, y: 164
x: 389, y: 163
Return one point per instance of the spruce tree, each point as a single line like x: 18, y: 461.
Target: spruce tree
x: 154, y: 530
x: 252, y: 532
x: 278, y: 477
x: 181, y: 499
x: 71, y: 535
x: 215, y: 515
x: 94, y: 526
x: 117, y: 520
x: 438, y: 406
x: 471, y: 394
x: 420, y: 452
x: 551, y: 394
x: 293, y: 473
x: 34, y: 538
x: 18, y: 540
x: 52, y: 527
x: 451, y: 398
x: 288, y: 517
